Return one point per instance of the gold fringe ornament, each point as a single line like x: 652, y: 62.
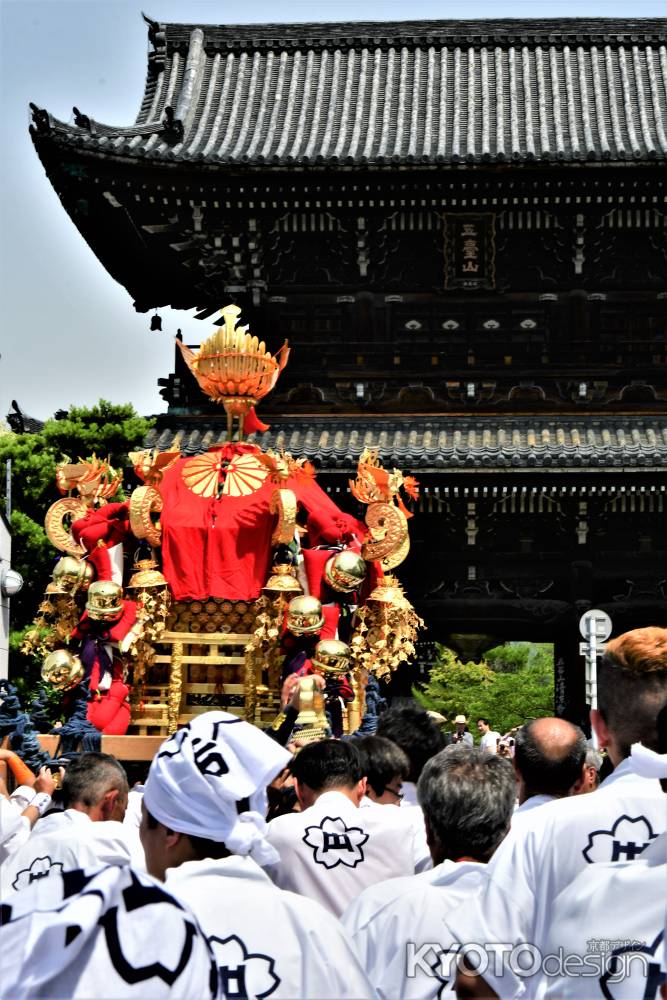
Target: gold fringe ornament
x: 386, y: 632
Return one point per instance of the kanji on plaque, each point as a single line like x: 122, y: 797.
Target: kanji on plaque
x: 469, y: 251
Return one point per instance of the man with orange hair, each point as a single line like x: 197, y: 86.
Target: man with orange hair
x: 542, y: 856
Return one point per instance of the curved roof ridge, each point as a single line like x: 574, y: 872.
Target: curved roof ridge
x: 352, y: 34
x: 463, y: 26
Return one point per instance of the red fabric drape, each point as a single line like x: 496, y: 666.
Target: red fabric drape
x: 314, y: 561
x: 222, y: 547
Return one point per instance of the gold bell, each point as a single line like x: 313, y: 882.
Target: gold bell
x: 146, y: 574
x: 282, y: 581
x: 304, y: 615
x: 62, y: 670
x: 389, y: 592
x: 331, y: 656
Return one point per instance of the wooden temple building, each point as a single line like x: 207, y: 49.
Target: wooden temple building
x: 461, y: 228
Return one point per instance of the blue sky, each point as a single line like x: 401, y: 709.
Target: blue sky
x: 69, y: 333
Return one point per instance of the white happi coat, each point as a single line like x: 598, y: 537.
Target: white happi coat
x: 534, y: 802
x: 61, y: 842
x: 131, y: 824
x: 413, y: 812
x: 266, y: 942
x: 544, y: 853
x: 14, y: 828
x: 333, y: 849
x: 609, y: 922
x: 397, y: 929
x: 107, y: 932
x: 414, y: 816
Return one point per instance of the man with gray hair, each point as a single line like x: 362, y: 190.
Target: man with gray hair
x: 591, y: 777
x: 467, y: 796
x: 87, y: 833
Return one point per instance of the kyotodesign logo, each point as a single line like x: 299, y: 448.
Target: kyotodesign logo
x: 242, y: 973
x: 624, y: 842
x: 334, y: 843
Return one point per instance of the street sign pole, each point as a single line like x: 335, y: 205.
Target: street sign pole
x: 595, y: 628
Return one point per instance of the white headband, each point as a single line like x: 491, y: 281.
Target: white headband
x: 648, y: 763
x: 104, y: 931
x: 200, y: 774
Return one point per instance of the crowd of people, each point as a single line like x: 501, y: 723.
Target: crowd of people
x: 407, y: 863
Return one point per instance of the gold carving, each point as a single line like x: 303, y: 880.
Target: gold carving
x: 283, y: 503
x: 388, y: 530
x: 59, y: 536
x: 175, y: 686
x: 150, y: 465
x: 241, y: 476
x: 94, y: 479
x: 144, y: 503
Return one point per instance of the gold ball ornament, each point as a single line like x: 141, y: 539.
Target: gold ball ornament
x: 71, y: 574
x: 62, y: 670
x: 104, y: 600
x: 304, y: 615
x: 345, y: 571
x: 332, y: 656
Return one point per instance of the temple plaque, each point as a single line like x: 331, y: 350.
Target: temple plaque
x: 470, y: 251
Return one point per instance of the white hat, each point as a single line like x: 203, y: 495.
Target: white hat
x: 460, y: 720
x: 200, y: 774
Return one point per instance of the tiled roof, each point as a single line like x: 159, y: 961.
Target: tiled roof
x: 371, y: 94
x: 442, y: 443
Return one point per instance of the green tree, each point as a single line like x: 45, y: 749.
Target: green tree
x: 512, y: 656
x: 454, y: 687
x: 107, y: 429
x: 507, y: 697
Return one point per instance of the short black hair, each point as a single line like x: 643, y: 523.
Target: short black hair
x: 485, y: 721
x: 328, y: 764
x: 415, y: 732
x: 382, y: 761
x: 89, y: 776
x: 202, y: 847
x: 544, y: 773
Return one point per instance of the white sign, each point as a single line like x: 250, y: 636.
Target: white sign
x: 596, y: 623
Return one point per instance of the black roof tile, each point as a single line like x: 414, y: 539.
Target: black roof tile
x: 374, y: 94
x: 444, y: 443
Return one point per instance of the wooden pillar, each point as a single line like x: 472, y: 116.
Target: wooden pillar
x: 570, y: 675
